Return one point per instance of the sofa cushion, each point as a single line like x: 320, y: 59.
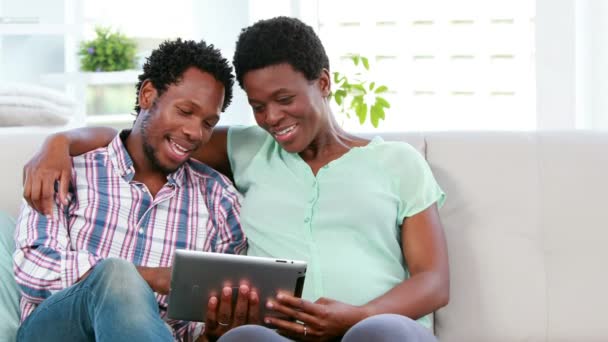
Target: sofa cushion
x: 9, y: 295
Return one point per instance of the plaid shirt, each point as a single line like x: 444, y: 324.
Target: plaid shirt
x: 110, y: 215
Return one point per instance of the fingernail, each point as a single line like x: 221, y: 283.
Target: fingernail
x: 280, y: 296
x: 213, y: 300
x: 267, y: 320
x: 269, y: 305
x: 244, y: 289
x: 227, y: 291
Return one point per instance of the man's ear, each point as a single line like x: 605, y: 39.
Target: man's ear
x: 147, y: 95
x: 325, y: 83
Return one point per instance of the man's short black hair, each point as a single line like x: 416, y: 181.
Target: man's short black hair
x: 280, y: 40
x: 167, y: 64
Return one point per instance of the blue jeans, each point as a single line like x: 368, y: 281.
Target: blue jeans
x: 114, y: 303
x: 379, y: 328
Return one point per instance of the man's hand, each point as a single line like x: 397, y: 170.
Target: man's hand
x: 220, y: 317
x: 51, y: 164
x: 159, y: 278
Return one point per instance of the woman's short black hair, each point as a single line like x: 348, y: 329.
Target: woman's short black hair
x: 167, y: 64
x: 279, y: 40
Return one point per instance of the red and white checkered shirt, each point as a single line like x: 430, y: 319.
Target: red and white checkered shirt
x: 110, y: 215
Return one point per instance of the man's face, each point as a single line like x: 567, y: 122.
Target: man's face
x: 180, y: 120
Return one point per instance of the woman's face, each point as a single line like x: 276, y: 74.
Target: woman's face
x: 287, y: 105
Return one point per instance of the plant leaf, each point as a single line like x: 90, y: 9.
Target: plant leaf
x: 381, y: 89
x: 361, y: 111
x: 375, y: 115
x: 382, y: 102
x: 371, y: 86
x: 339, y: 96
x: 359, y: 87
x: 356, y: 101
x: 365, y: 62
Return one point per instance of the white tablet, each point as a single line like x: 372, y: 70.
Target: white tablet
x: 197, y: 276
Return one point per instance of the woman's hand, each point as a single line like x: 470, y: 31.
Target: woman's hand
x: 322, y: 320
x: 220, y: 317
x: 51, y: 164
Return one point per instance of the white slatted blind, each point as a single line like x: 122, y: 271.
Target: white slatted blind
x: 452, y: 64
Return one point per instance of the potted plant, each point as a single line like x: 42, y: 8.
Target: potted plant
x: 109, y: 51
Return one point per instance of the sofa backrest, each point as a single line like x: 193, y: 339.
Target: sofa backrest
x: 16, y: 148
x: 526, y: 223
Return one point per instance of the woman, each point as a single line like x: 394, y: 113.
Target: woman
x: 362, y: 213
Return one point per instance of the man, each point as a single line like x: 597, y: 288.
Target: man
x: 99, y: 267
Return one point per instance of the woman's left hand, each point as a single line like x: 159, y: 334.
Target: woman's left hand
x: 322, y: 320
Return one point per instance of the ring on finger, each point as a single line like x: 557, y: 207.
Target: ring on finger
x: 223, y: 324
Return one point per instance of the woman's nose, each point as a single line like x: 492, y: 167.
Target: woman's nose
x: 273, y: 115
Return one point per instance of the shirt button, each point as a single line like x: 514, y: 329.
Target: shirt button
x: 141, y: 231
x: 306, y: 220
x: 326, y: 167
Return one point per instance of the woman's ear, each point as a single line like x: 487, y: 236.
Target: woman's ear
x: 147, y: 94
x: 325, y: 83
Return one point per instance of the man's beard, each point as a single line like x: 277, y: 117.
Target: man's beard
x: 149, y: 151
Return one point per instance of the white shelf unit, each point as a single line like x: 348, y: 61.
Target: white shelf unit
x: 35, y: 29
x: 42, y: 36
x: 93, y: 78
x: 81, y: 80
x: 110, y: 120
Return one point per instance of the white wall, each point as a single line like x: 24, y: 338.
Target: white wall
x: 597, y: 50
x: 555, y: 64
x: 219, y: 23
x: 572, y: 64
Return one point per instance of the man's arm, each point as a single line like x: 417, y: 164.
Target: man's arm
x: 52, y: 162
x: 44, y: 261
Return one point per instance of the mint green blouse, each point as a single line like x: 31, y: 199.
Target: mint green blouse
x: 345, y: 222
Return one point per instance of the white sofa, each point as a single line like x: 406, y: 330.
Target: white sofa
x: 526, y: 223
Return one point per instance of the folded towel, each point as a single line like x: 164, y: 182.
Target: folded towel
x: 28, y: 111
x: 34, y: 102
x: 30, y: 90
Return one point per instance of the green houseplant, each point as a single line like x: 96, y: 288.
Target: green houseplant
x: 356, y: 93
x: 109, y: 51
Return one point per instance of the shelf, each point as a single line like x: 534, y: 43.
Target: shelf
x: 93, y: 78
x: 35, y: 29
x: 101, y: 119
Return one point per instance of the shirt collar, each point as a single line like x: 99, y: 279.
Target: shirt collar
x: 123, y: 164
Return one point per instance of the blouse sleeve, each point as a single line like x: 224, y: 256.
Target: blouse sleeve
x: 413, y: 180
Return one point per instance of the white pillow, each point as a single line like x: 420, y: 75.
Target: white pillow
x: 30, y: 111
x: 35, y: 91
